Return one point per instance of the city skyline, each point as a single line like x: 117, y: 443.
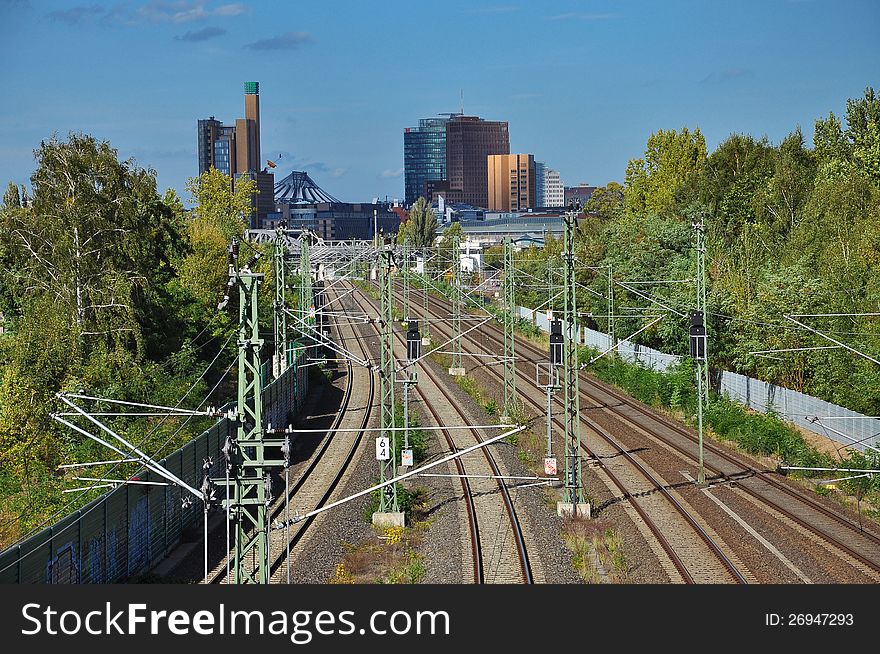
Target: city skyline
x: 585, y: 87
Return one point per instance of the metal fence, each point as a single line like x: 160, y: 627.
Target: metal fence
x: 847, y: 427
x: 129, y: 530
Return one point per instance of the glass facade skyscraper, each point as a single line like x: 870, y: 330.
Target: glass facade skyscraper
x: 424, y: 156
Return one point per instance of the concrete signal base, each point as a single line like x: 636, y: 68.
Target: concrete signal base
x: 426, y: 341
x: 456, y: 372
x: 387, y: 519
x: 564, y: 510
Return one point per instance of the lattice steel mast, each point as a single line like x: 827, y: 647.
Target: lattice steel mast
x: 456, y: 368
x: 574, y: 492
x: 699, y: 341
x: 306, y: 294
x: 279, y: 252
x: 251, y: 547
x: 388, y: 502
x: 511, y: 407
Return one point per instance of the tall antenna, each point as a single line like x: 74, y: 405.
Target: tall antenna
x: 461, y: 95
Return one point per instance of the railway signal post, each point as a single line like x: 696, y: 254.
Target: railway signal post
x: 413, y: 352
x: 279, y: 252
x: 700, y: 236
x: 573, y: 502
x: 698, y: 353
x: 699, y: 341
x: 457, y: 368
x: 511, y: 404
x: 426, y: 335
x: 306, y: 294
x: 403, y: 269
x: 389, y: 514
x: 612, y: 339
x: 250, y: 466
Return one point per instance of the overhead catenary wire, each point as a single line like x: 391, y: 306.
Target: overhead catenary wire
x: 68, y: 506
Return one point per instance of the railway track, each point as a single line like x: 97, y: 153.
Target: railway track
x: 854, y: 544
x: 324, y: 471
x: 496, y: 536
x: 692, y: 550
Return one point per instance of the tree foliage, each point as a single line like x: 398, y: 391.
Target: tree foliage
x: 790, y: 230
x: 99, y: 277
x: 670, y: 158
x: 420, y: 229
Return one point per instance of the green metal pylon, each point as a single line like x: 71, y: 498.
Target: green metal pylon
x: 574, y: 489
x: 612, y: 338
x: 404, y: 276
x: 456, y: 368
x: 279, y: 360
x: 701, y: 292
x: 306, y: 294
x: 511, y: 407
x: 387, y: 467
x: 426, y: 334
x: 251, y: 549
x: 701, y: 364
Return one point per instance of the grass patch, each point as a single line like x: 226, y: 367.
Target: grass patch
x: 413, y: 503
x: 394, y: 559
x: 597, y: 551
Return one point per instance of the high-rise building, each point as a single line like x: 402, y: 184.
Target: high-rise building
x: 549, y: 191
x: 447, y: 156
x: 554, y: 191
x: 424, y: 156
x: 235, y: 151
x: 540, y: 167
x: 510, y: 182
x: 469, y: 142
x: 216, y: 146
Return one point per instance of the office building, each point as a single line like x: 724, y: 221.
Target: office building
x: 554, y: 191
x: 216, y: 146
x: 578, y: 194
x: 540, y: 168
x: 447, y: 157
x: 549, y: 191
x: 510, y: 182
x: 234, y: 150
x: 424, y: 156
x: 469, y: 142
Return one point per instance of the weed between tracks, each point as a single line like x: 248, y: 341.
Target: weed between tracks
x: 597, y: 551
x: 394, y: 559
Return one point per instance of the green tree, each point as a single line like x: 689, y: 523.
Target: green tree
x: 91, y: 255
x: 220, y: 212
x: 421, y: 227
x: 606, y: 202
x: 670, y: 158
x: 780, y: 201
x: 93, y: 241
x: 863, y: 131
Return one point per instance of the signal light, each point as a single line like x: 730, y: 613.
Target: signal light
x: 556, y: 342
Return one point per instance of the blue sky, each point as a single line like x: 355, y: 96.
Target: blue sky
x: 582, y: 84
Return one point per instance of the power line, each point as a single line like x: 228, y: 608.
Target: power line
x: 68, y: 506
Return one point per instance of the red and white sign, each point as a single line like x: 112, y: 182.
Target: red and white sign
x: 550, y: 465
x: 406, y: 458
